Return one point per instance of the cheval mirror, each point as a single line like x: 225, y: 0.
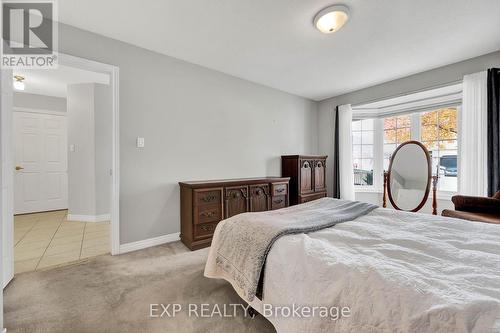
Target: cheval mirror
x: 409, y: 178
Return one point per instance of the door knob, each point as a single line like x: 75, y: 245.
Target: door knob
x: 18, y: 168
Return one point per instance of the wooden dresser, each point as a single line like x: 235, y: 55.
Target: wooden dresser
x: 205, y: 203
x: 307, y: 177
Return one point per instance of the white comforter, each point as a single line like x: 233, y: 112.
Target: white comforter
x: 396, y: 271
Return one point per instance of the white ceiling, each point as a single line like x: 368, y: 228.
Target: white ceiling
x: 273, y: 42
x: 53, y: 82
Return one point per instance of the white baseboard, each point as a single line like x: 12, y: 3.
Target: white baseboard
x: 89, y: 218
x: 143, y: 244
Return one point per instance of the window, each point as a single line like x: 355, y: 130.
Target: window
x: 438, y: 133
x: 396, y: 131
x: 362, y: 151
x: 374, y: 141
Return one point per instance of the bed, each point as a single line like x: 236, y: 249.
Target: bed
x: 394, y: 271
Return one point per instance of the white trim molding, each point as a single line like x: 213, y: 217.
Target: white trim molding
x: 144, y: 244
x: 6, y: 178
x: 89, y: 218
x: 115, y: 172
x: 44, y: 111
x: 367, y: 189
x: 421, y: 101
x: 114, y: 72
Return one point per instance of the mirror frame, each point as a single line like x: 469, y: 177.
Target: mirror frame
x: 429, y: 178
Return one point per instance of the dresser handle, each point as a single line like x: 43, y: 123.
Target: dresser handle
x: 209, y: 198
x: 279, y: 190
x: 206, y: 227
x: 278, y: 201
x: 208, y: 214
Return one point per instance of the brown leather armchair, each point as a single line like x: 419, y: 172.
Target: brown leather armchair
x: 475, y: 208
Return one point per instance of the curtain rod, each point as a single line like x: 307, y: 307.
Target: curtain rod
x: 408, y: 93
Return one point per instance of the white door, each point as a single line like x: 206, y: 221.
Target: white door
x: 41, y: 163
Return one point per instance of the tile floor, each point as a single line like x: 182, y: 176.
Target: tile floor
x: 47, y: 239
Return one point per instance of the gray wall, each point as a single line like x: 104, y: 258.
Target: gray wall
x: 197, y: 124
x: 103, y: 114
x: 81, y: 162
x: 432, y: 78
x: 90, y: 131
x: 34, y: 101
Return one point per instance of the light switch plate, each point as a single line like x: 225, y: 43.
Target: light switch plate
x: 71, y: 148
x: 140, y: 142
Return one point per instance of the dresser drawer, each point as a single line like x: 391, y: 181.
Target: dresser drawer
x: 307, y: 198
x: 204, y: 230
x: 279, y: 189
x: 259, y: 198
x: 278, y: 202
x: 208, y: 213
x: 208, y: 197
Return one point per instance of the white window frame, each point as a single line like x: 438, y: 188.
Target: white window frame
x: 444, y: 195
x: 378, y: 140
x: 368, y: 188
x: 377, y: 167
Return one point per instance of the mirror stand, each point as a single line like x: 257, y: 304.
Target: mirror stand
x: 434, y: 193
x: 384, y: 200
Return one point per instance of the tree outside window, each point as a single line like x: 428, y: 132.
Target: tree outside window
x: 396, y: 131
x: 438, y: 133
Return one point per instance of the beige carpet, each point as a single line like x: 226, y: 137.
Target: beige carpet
x: 113, y: 294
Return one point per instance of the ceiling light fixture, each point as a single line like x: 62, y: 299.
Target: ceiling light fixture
x: 331, y: 19
x: 18, y: 83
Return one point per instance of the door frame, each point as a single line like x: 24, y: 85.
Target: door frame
x: 6, y: 181
x: 113, y: 72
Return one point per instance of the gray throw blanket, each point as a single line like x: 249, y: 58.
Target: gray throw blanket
x: 241, y: 243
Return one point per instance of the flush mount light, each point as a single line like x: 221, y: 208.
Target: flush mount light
x: 18, y: 82
x: 331, y: 19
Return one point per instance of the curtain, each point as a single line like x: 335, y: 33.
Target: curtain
x: 472, y: 163
x: 344, y: 179
x: 336, y: 157
x: 493, y: 131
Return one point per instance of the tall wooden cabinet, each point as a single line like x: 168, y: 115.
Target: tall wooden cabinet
x: 205, y: 203
x: 307, y: 177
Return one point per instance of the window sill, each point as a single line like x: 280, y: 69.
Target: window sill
x: 441, y: 195
x: 445, y: 195
x: 367, y: 190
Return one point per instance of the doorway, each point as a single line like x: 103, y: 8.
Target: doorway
x: 40, y: 193
x: 40, y: 159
